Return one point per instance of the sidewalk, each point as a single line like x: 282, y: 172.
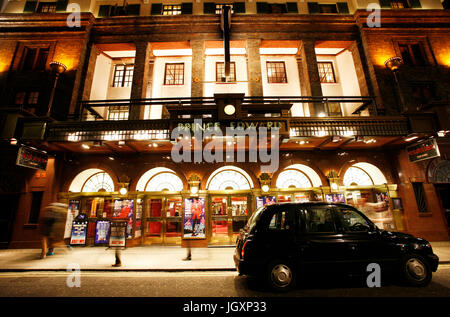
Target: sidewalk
x: 145, y: 258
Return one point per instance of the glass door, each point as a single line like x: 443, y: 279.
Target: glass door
x: 219, y: 220
x: 154, y: 220
x: 173, y: 220
x: 239, y: 214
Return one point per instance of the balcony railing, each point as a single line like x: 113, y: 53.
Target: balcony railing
x: 206, y: 106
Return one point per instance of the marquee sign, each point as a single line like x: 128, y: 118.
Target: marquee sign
x: 423, y: 151
x: 30, y: 158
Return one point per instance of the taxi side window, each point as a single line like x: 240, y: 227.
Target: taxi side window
x: 281, y: 220
x: 319, y: 219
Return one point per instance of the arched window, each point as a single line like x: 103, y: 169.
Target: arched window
x: 292, y: 178
x: 164, y: 181
x: 356, y: 176
x: 99, y: 182
x: 92, y: 180
x: 229, y: 177
x: 159, y: 179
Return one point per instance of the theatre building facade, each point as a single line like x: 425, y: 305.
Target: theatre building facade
x: 179, y: 121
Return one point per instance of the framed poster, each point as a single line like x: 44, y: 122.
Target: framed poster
x: 102, y: 228
x: 117, y: 236
x: 79, y: 232
x: 123, y: 208
x: 335, y: 198
x: 383, y: 199
x: 72, y: 212
x: 194, y: 218
x: 264, y: 200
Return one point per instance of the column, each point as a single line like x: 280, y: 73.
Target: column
x: 255, y: 87
x: 198, y: 67
x: 140, y: 78
x: 311, y: 75
x: 91, y: 55
x: 305, y: 88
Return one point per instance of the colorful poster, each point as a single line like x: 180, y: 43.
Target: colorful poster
x: 335, y: 198
x: 123, y: 208
x: 102, y: 232
x: 194, y: 218
x: 72, y: 212
x: 79, y: 232
x: 264, y: 200
x: 117, y: 237
x: 383, y: 199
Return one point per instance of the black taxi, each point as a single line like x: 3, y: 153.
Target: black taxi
x: 280, y: 241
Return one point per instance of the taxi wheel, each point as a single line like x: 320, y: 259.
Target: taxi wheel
x: 281, y: 276
x: 416, y: 270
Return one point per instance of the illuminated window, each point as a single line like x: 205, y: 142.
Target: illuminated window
x: 220, y: 72
x: 326, y: 72
x: 399, y: 4
x: 99, y: 182
x: 276, y: 72
x: 219, y: 8
x: 171, y: 9
x: 292, y: 178
x: 118, y: 113
x: 26, y: 98
x: 123, y: 75
x: 47, y: 7
x: 229, y: 179
x: 164, y: 181
x: 174, y: 74
x: 357, y: 176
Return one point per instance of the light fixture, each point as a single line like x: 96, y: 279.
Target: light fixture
x: 334, y: 186
x: 123, y: 191
x: 111, y: 158
x: 13, y: 141
x: 153, y: 144
x: 194, y: 190
x: 440, y: 134
x: 265, y: 188
x: 321, y: 115
x: 393, y: 63
x: 336, y: 139
x: 411, y: 138
x: 85, y: 146
x: 121, y: 142
x: 57, y: 68
x: 229, y: 109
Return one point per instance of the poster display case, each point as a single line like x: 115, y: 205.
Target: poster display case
x: 194, y: 218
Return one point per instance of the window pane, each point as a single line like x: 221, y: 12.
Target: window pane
x: 28, y: 58
x: 276, y: 72
x: 20, y: 98
x: 174, y: 74
x: 42, y: 59
x: 326, y: 72
x: 119, y: 73
x: 171, y: 10
x: 220, y: 72
x: 33, y: 98
x: 319, y: 219
x: 282, y: 220
x: 352, y: 221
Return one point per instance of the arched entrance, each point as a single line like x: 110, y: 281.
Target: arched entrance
x: 229, y: 203
x: 366, y: 187
x: 162, y: 205
x: 439, y: 175
x: 296, y: 183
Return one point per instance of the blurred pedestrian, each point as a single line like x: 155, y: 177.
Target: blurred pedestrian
x: 189, y: 251
x: 51, y: 226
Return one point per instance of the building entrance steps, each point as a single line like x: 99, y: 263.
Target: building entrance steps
x: 142, y: 258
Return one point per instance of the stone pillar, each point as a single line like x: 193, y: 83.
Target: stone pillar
x: 255, y: 87
x: 198, y: 67
x: 140, y: 78
x: 305, y: 88
x: 311, y: 75
x: 92, y: 52
x: 362, y: 72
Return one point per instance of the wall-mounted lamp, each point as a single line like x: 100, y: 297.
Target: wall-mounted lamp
x: 265, y: 180
x: 123, y: 191
x: 194, y: 184
x: 57, y: 68
x: 393, y: 63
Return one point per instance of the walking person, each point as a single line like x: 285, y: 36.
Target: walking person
x: 51, y: 227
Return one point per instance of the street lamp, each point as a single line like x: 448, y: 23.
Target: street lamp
x: 57, y: 68
x: 393, y: 64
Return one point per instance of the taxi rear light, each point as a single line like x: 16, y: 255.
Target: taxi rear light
x: 243, y: 249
